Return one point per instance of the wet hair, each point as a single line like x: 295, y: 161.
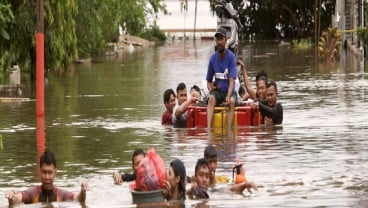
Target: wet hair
x: 262, y: 75
x: 167, y: 95
x: 179, y: 170
x: 196, y: 88
x: 272, y: 83
x: 48, y: 158
x: 181, y: 86
x: 137, y: 152
x: 241, y: 90
x: 210, y: 152
x: 201, y: 163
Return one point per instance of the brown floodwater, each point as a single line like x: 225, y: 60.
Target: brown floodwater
x: 96, y: 115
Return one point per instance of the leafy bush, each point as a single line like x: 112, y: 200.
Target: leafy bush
x: 329, y: 45
x: 153, y: 33
x: 302, y: 44
x: 363, y: 36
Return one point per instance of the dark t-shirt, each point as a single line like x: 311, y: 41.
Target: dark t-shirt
x: 127, y: 177
x: 275, y: 112
x: 166, y: 118
x: 37, y: 194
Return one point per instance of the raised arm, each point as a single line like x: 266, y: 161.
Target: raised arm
x: 13, y: 198
x: 81, y: 196
x: 184, y: 106
x: 248, y: 86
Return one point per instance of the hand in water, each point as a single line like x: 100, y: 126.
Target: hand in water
x: 117, y: 178
x: 84, y: 186
x: 9, y: 195
x: 267, y: 120
x: 250, y: 186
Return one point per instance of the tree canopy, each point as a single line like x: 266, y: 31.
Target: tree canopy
x: 73, y: 28
x: 290, y: 19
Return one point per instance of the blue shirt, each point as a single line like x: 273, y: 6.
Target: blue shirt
x: 222, y: 69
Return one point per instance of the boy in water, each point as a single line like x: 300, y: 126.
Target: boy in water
x: 137, y: 157
x: 201, y: 181
x: 46, y: 192
x: 210, y: 155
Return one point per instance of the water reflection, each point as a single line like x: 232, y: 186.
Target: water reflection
x: 97, y: 114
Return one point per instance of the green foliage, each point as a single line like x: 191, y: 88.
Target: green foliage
x: 94, y: 31
x: 329, y: 45
x: 72, y: 28
x: 363, y: 36
x: 295, y: 19
x: 60, y: 38
x: 153, y: 34
x: 6, y: 16
x: 302, y: 44
x: 60, y: 34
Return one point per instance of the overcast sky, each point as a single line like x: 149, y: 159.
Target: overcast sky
x: 179, y: 20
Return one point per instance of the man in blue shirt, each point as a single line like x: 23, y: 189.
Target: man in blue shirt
x: 222, y: 66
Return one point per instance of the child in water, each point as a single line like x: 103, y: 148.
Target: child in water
x: 240, y: 174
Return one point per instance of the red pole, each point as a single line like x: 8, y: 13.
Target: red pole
x: 40, y: 140
x: 40, y: 110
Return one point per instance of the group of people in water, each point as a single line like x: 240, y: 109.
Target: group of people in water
x: 221, y: 84
x: 174, y: 187
x: 221, y: 76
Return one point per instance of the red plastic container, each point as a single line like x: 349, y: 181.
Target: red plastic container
x: 201, y: 117
x: 243, y: 116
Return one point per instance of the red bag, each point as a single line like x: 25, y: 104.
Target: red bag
x: 151, y: 173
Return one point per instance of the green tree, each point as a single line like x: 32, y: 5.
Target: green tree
x: 95, y: 30
x: 6, y: 16
x: 270, y: 19
x: 71, y: 27
x: 60, y: 38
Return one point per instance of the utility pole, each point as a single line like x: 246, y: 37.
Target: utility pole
x: 40, y: 110
x: 195, y: 19
x: 315, y: 31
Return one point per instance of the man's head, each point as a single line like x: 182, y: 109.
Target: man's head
x: 137, y: 156
x: 221, y: 39
x: 169, y: 99
x: 210, y: 155
x: 181, y: 91
x: 202, y: 173
x: 271, y: 94
x: 48, y: 169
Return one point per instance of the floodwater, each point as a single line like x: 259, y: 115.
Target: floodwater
x: 96, y: 115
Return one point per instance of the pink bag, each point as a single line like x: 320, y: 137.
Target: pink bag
x: 151, y: 173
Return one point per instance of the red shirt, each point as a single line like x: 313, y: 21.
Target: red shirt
x: 36, y: 194
x: 166, y: 118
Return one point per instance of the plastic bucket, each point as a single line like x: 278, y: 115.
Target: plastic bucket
x: 147, y: 196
